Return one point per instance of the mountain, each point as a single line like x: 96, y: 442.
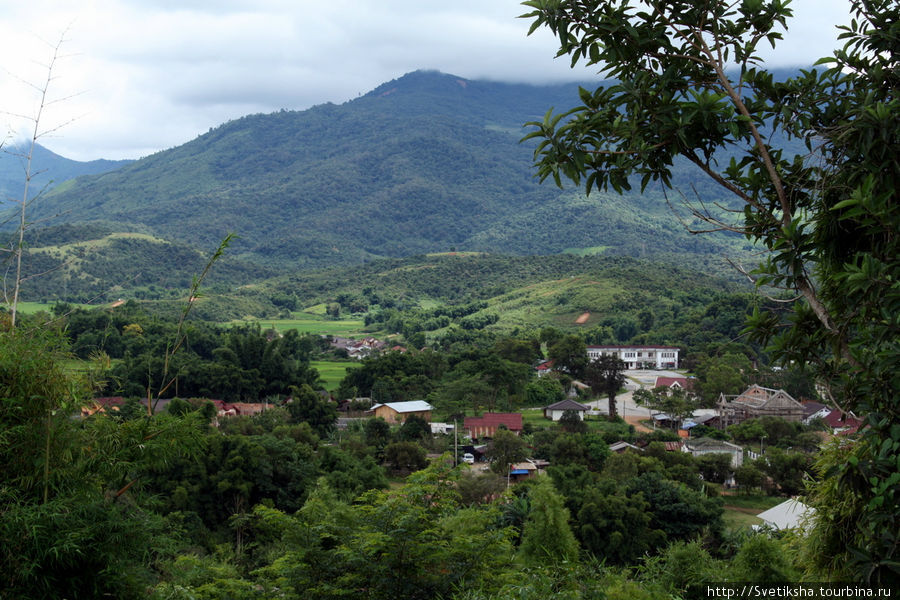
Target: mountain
x: 427, y: 162
x: 49, y: 169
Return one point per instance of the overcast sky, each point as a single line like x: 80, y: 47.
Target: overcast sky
x: 138, y: 76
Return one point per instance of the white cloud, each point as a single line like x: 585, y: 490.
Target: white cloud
x: 154, y: 74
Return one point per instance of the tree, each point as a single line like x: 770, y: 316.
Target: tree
x: 307, y: 406
x: 75, y: 523
x: 606, y: 376
x: 675, y: 402
x: 690, y: 84
x: 378, y: 433
x: 505, y: 449
x: 525, y: 351
x: 748, y: 477
x: 544, y: 391
x: 414, y: 428
x: 17, y: 244
x: 615, y: 527
x: 569, y: 355
x: 405, y: 456
x: 715, y: 466
x: 571, y: 422
x: 546, y: 536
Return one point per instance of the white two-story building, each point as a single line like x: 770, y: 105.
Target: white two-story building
x: 639, y: 357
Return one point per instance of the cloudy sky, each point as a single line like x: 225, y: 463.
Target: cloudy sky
x: 137, y: 76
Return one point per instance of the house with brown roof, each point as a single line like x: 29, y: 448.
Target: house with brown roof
x: 842, y: 423
x: 684, y: 383
x: 487, y: 424
x: 755, y: 402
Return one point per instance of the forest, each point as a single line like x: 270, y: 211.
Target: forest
x: 185, y: 503
x: 130, y: 470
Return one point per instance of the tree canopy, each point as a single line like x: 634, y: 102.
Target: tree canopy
x: 689, y: 84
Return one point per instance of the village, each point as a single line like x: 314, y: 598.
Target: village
x: 646, y: 370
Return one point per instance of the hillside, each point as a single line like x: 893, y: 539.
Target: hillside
x: 98, y: 262
x: 49, y: 170
x: 428, y: 162
x: 509, y: 292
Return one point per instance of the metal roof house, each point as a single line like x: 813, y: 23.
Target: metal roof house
x: 790, y: 514
x: 398, y: 412
x: 487, y: 424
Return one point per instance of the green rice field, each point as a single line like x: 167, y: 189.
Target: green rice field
x: 331, y: 372
x: 311, y: 323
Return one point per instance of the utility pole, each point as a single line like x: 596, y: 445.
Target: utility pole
x: 455, y: 445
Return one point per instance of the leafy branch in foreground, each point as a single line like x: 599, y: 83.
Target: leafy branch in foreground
x: 690, y: 85
x: 180, y: 337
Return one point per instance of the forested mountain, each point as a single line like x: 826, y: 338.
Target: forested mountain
x: 427, y: 162
x: 48, y: 168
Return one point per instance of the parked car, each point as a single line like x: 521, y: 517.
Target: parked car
x: 468, y: 458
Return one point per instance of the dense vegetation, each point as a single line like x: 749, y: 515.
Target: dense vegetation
x: 99, y: 262
x: 50, y: 170
x: 690, y: 86
x: 189, y: 503
x: 183, y: 504
x: 426, y: 163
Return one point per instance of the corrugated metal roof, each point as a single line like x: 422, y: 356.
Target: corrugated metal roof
x: 405, y: 407
x: 787, y: 515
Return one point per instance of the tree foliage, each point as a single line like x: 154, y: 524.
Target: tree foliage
x: 606, y: 376
x: 690, y: 85
x: 546, y: 536
x: 677, y: 403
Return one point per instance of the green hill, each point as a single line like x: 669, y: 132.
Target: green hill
x: 624, y: 295
x: 428, y: 162
x: 98, y: 261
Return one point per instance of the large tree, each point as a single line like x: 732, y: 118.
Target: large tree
x: 606, y: 376
x: 569, y: 355
x: 675, y: 402
x: 689, y: 85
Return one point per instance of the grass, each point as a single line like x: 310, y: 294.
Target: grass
x: 29, y: 308
x: 587, y: 251
x: 535, y: 417
x: 331, y: 372
x: 753, y: 501
x: 741, y: 509
x: 735, y: 519
x: 312, y: 323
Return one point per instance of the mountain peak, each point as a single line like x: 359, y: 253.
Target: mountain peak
x: 421, y: 81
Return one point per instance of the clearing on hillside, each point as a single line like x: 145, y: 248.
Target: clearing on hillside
x: 582, y: 319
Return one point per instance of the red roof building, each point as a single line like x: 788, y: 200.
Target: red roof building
x: 486, y: 425
x: 842, y: 423
x: 675, y: 382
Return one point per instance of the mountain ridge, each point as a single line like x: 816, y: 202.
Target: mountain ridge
x: 427, y: 162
